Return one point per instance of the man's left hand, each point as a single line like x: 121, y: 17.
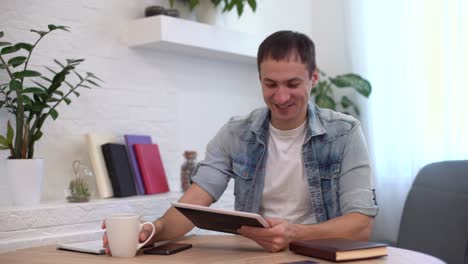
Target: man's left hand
x: 275, y: 238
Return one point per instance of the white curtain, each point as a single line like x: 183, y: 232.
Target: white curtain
x: 415, y: 54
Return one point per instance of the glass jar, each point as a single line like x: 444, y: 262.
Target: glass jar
x: 187, y: 169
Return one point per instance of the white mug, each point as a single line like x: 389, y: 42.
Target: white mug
x: 123, y: 233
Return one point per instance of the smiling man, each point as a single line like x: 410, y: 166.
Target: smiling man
x: 305, y: 169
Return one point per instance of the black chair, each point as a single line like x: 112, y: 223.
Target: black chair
x: 435, y: 216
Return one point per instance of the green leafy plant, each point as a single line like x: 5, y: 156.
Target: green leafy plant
x: 30, y: 96
x: 324, y: 92
x: 228, y: 5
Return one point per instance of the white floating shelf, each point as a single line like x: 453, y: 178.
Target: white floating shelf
x: 187, y: 37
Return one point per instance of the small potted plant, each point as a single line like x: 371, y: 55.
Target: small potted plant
x: 31, y: 98
x: 206, y: 12
x: 78, y: 189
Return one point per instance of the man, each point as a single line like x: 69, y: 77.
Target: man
x: 305, y: 169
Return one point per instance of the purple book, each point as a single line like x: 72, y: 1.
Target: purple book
x: 131, y: 140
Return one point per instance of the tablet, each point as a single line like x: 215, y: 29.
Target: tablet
x: 91, y: 247
x: 218, y: 219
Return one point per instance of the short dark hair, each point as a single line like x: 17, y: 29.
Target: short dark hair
x: 283, y: 44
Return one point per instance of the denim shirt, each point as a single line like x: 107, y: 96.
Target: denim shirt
x: 335, y: 159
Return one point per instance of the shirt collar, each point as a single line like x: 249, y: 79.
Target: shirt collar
x: 314, y: 126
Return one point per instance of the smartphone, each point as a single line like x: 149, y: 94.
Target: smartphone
x: 167, y: 249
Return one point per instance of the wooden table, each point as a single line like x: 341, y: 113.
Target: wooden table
x: 206, y: 249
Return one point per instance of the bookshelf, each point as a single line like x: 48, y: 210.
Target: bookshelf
x: 180, y: 36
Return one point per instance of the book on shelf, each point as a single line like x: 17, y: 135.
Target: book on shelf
x: 118, y: 168
x: 151, y: 168
x: 338, y: 249
x: 131, y: 140
x: 94, y: 141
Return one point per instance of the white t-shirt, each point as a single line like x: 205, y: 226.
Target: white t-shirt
x: 286, y: 192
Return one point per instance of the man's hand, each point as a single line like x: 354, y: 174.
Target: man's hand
x: 144, y: 234
x: 273, y: 239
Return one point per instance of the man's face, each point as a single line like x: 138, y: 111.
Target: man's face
x: 286, y: 87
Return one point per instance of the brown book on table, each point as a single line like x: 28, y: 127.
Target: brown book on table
x: 338, y: 249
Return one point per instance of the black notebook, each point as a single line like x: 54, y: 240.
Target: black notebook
x: 118, y: 168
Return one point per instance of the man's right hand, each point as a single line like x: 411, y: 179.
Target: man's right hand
x: 144, y: 233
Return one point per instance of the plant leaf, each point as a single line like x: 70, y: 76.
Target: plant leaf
x: 2, y: 34
x: 192, y: 4
x: 93, y: 83
x: 3, y: 141
x: 38, y: 106
x: 59, y: 63
x: 76, y: 93
x: 352, y: 80
x: 9, y: 49
x: 216, y: 2
x: 356, y: 109
x: 346, y: 102
x: 229, y: 5
x: 16, y: 85
x: 26, y: 99
x: 40, y: 84
x: 92, y: 75
x: 78, y: 75
x: 16, y: 61
x: 252, y: 4
x: 41, y: 33
x: 10, y: 132
x: 325, y: 101
x: 67, y: 101
x: 75, y: 61
x: 52, y: 99
x: 58, y: 92
x: 3, y: 66
x: 25, y: 46
x: 34, y: 90
x: 2, y: 43
x: 54, y: 27
x: 53, y: 114
x: 240, y: 8
x: 50, y: 69
x: 37, y: 136
x: 26, y: 73
x: 46, y: 79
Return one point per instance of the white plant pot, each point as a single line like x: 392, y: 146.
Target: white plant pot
x: 206, y: 12
x: 25, y: 180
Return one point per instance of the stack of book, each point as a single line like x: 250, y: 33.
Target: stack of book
x: 121, y: 170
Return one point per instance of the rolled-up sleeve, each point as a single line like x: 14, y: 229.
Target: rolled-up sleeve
x: 214, y: 172
x: 356, y: 192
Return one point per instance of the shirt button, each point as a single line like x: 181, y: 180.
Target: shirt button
x: 245, y: 174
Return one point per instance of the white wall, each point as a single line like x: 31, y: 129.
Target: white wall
x: 180, y: 101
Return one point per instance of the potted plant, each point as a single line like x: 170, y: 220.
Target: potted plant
x: 31, y: 98
x: 207, y: 12
x: 324, y: 92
